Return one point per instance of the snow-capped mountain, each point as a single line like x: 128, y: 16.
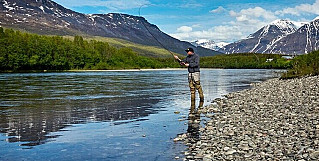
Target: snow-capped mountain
x: 209, y: 44
x: 302, y: 41
x: 280, y: 37
x: 260, y: 41
x: 48, y: 17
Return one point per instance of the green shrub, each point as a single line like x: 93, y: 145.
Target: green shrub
x: 304, y: 65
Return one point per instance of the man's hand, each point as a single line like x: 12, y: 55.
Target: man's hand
x: 186, y: 65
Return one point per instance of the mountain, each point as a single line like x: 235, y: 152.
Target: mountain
x: 48, y: 17
x: 302, y: 41
x: 263, y: 39
x: 209, y: 44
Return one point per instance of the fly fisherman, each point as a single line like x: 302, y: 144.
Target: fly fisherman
x: 192, y: 62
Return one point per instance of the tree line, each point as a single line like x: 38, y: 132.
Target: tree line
x: 246, y: 61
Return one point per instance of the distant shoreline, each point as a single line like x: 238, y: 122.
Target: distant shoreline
x: 116, y: 70
x: 126, y: 70
x: 90, y: 70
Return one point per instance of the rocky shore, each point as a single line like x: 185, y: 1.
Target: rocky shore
x: 275, y: 120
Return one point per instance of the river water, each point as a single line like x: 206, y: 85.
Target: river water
x: 105, y: 115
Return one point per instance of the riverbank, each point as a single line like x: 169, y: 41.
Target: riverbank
x: 275, y: 120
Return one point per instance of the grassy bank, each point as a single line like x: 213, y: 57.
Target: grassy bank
x: 304, y: 65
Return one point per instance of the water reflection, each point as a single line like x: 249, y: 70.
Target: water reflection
x: 193, y: 130
x: 33, y: 125
x: 194, y: 123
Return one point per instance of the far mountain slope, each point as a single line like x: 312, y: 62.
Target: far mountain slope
x: 261, y: 40
x: 304, y: 40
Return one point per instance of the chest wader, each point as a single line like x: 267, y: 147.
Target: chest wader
x: 194, y: 83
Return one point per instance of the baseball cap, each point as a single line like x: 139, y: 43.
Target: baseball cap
x: 189, y: 49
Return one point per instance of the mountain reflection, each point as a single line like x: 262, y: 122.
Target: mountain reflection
x: 33, y: 124
x: 33, y: 105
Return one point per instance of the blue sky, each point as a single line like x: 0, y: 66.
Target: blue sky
x: 217, y: 20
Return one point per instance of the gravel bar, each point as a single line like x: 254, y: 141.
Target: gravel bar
x: 275, y: 120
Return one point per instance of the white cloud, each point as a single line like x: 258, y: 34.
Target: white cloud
x: 253, y: 13
x: 300, y: 9
x: 218, y: 10
x: 184, y: 29
x: 110, y: 4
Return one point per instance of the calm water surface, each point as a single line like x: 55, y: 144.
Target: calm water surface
x: 123, y: 115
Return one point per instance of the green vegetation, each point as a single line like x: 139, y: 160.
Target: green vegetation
x: 304, y: 65
x: 24, y: 51
x: 246, y: 60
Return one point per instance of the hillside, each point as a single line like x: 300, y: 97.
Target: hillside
x: 48, y: 17
x: 142, y: 50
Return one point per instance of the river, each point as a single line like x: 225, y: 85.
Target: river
x: 105, y: 115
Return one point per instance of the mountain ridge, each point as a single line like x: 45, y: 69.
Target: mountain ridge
x: 280, y: 37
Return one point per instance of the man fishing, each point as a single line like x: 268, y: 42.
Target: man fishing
x: 192, y: 63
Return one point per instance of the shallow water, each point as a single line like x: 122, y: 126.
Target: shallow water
x: 118, y: 115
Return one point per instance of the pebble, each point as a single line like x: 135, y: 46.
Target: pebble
x: 274, y: 120
x: 314, y: 155
x: 230, y: 152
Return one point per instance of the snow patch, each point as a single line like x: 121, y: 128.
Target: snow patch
x: 7, y: 5
x: 41, y: 7
x: 9, y: 15
x: 300, y: 24
x: 209, y: 44
x: 285, y: 26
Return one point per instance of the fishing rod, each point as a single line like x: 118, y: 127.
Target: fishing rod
x: 139, y: 13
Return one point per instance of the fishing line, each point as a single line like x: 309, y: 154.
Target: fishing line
x: 139, y: 13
